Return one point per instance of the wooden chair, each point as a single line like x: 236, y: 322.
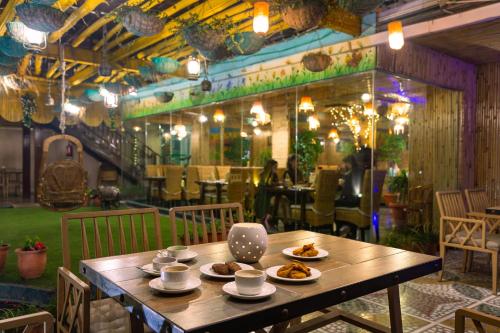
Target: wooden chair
x: 477, y: 200
x: 192, y: 189
x: 236, y: 187
x: 190, y: 214
x: 478, y: 319
x: 173, y: 185
x: 361, y: 216
x: 206, y: 172
x: 108, y: 177
x: 420, y: 206
x: 152, y: 170
x: 121, y: 226
x: 322, y: 211
x: 223, y: 171
x: 458, y: 230
x: 32, y: 323
x: 77, y: 313
x: 3, y: 183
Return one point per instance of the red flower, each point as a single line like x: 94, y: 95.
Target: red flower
x: 39, y: 246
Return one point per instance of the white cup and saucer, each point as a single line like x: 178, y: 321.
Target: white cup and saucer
x: 180, y: 252
x: 249, y: 284
x: 175, y: 279
x: 158, y: 263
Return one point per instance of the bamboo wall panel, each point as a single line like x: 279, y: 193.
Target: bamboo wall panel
x: 438, y: 69
x: 433, y: 141
x: 487, y: 162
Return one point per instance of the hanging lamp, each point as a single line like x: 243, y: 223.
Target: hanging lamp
x: 313, y: 122
x: 261, y: 17
x: 306, y: 104
x: 219, y: 116
x: 334, y: 135
x: 193, y: 67
x: 396, y: 36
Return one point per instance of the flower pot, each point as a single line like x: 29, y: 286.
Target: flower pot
x: 140, y: 23
x: 204, y: 38
x: 247, y: 242
x: 41, y: 17
x: 316, y: 62
x: 12, y: 48
x: 399, y: 214
x: 4, y: 249
x: 390, y: 198
x: 247, y: 42
x: 303, y: 15
x: 164, y: 97
x: 165, y: 65
x: 31, y: 264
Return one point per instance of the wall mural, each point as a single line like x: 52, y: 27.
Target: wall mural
x: 268, y: 76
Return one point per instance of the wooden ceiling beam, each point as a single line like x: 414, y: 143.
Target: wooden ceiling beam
x: 63, y: 5
x: 53, y: 69
x: 38, y: 64
x: 8, y: 14
x: 87, y: 7
x: 68, y: 67
x: 24, y: 64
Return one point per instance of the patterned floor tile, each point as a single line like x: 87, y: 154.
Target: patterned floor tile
x: 438, y: 329
x: 490, y: 309
x: 494, y: 301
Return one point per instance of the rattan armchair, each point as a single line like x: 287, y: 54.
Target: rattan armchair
x: 467, y: 231
x: 35, y: 322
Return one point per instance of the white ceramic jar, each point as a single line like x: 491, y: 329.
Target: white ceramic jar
x: 247, y: 242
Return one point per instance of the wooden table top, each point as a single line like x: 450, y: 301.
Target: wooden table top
x: 493, y: 210
x: 353, y: 269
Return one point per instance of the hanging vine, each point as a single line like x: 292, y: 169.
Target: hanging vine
x: 28, y: 102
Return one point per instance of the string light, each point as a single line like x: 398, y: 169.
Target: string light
x: 396, y: 36
x: 261, y: 17
x: 368, y: 110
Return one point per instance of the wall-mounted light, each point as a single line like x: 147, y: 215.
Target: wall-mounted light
x: 193, y: 67
x: 219, y: 116
x: 202, y: 118
x: 306, y: 104
x: 261, y: 17
x: 396, y: 36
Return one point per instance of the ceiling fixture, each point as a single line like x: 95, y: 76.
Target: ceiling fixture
x: 193, y: 67
x: 72, y: 108
x: 30, y: 38
x: 202, y: 118
x: 261, y: 116
x: 306, y: 104
x: 261, y: 17
x: 366, y: 98
x: 244, y: 134
x: 111, y: 101
x: 49, y: 100
x: 396, y: 36
x: 334, y: 135
x: 369, y: 111
x: 180, y: 131
x: 257, y: 131
x: 219, y: 116
x: 313, y: 122
x: 166, y: 136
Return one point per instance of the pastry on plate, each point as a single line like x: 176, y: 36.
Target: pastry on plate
x: 294, y: 270
x: 307, y: 250
x: 228, y: 268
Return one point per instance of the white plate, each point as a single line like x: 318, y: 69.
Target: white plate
x: 190, y: 255
x: 157, y: 285
x: 148, y: 269
x: 267, y: 290
x: 289, y: 252
x: 208, y: 271
x: 273, y: 273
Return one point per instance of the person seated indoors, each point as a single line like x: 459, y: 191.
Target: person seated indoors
x: 268, y: 178
x: 292, y: 175
x: 348, y: 196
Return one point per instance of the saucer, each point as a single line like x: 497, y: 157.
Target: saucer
x: 158, y: 286
x: 148, y: 269
x: 289, y: 252
x: 273, y: 273
x: 190, y: 255
x: 208, y: 271
x: 267, y: 290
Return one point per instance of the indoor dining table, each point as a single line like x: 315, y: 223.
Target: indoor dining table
x: 352, y: 269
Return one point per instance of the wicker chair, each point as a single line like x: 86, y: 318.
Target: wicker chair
x: 173, y: 187
x: 458, y: 230
x: 322, y: 211
x: 192, y: 189
x: 361, y: 217
x: 223, y: 171
x: 32, y: 323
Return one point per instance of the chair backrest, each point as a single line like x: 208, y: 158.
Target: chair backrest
x: 117, y: 226
x: 236, y: 187
x: 223, y: 171
x: 191, y: 178
x: 162, y: 170
x: 73, y: 303
x: 151, y: 170
x: 30, y: 323
x: 221, y: 214
x: 326, y: 184
x: 477, y: 200
x: 366, y: 192
x: 206, y: 172
x: 421, y: 194
x: 451, y: 204
x: 108, y: 176
x: 174, y: 179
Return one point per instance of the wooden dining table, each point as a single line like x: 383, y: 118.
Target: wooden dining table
x: 493, y: 210
x: 217, y: 183
x: 352, y: 269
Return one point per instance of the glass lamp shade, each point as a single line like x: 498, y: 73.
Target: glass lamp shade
x: 313, y: 122
x: 111, y: 101
x: 219, y: 116
x: 257, y: 108
x: 334, y: 135
x: 193, y: 67
x: 366, y: 98
x: 261, y: 17
x: 306, y: 104
x: 396, y: 36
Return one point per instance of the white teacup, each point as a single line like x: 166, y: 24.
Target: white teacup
x: 249, y: 282
x: 160, y: 262
x: 175, y: 276
x: 177, y: 251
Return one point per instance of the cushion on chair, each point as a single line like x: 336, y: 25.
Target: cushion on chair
x: 107, y: 315
x: 353, y: 215
x: 492, y: 241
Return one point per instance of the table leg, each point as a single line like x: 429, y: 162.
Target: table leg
x: 395, y: 309
x: 136, y: 324
x: 202, y: 193
x: 218, y: 188
x: 160, y: 188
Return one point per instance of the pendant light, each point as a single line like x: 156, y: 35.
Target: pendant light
x: 257, y: 108
x: 49, y: 100
x: 334, y: 135
x: 313, y: 122
x: 368, y: 109
x: 366, y: 98
x: 261, y: 17
x: 202, y: 118
x: 396, y: 36
x: 111, y: 101
x: 306, y: 104
x: 193, y: 67
x: 257, y: 131
x: 219, y: 116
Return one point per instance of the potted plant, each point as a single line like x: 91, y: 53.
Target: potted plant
x: 399, y: 184
x: 302, y: 14
x: 31, y: 258
x: 4, y: 249
x: 308, y: 149
x: 205, y: 36
x: 139, y: 23
x: 390, y: 149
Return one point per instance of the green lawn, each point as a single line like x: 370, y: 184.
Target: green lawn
x: 17, y: 223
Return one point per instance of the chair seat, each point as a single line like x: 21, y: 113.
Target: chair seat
x: 492, y: 241
x: 107, y: 315
x: 353, y: 215
x: 313, y: 217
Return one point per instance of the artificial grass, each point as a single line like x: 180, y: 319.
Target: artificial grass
x: 17, y: 223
